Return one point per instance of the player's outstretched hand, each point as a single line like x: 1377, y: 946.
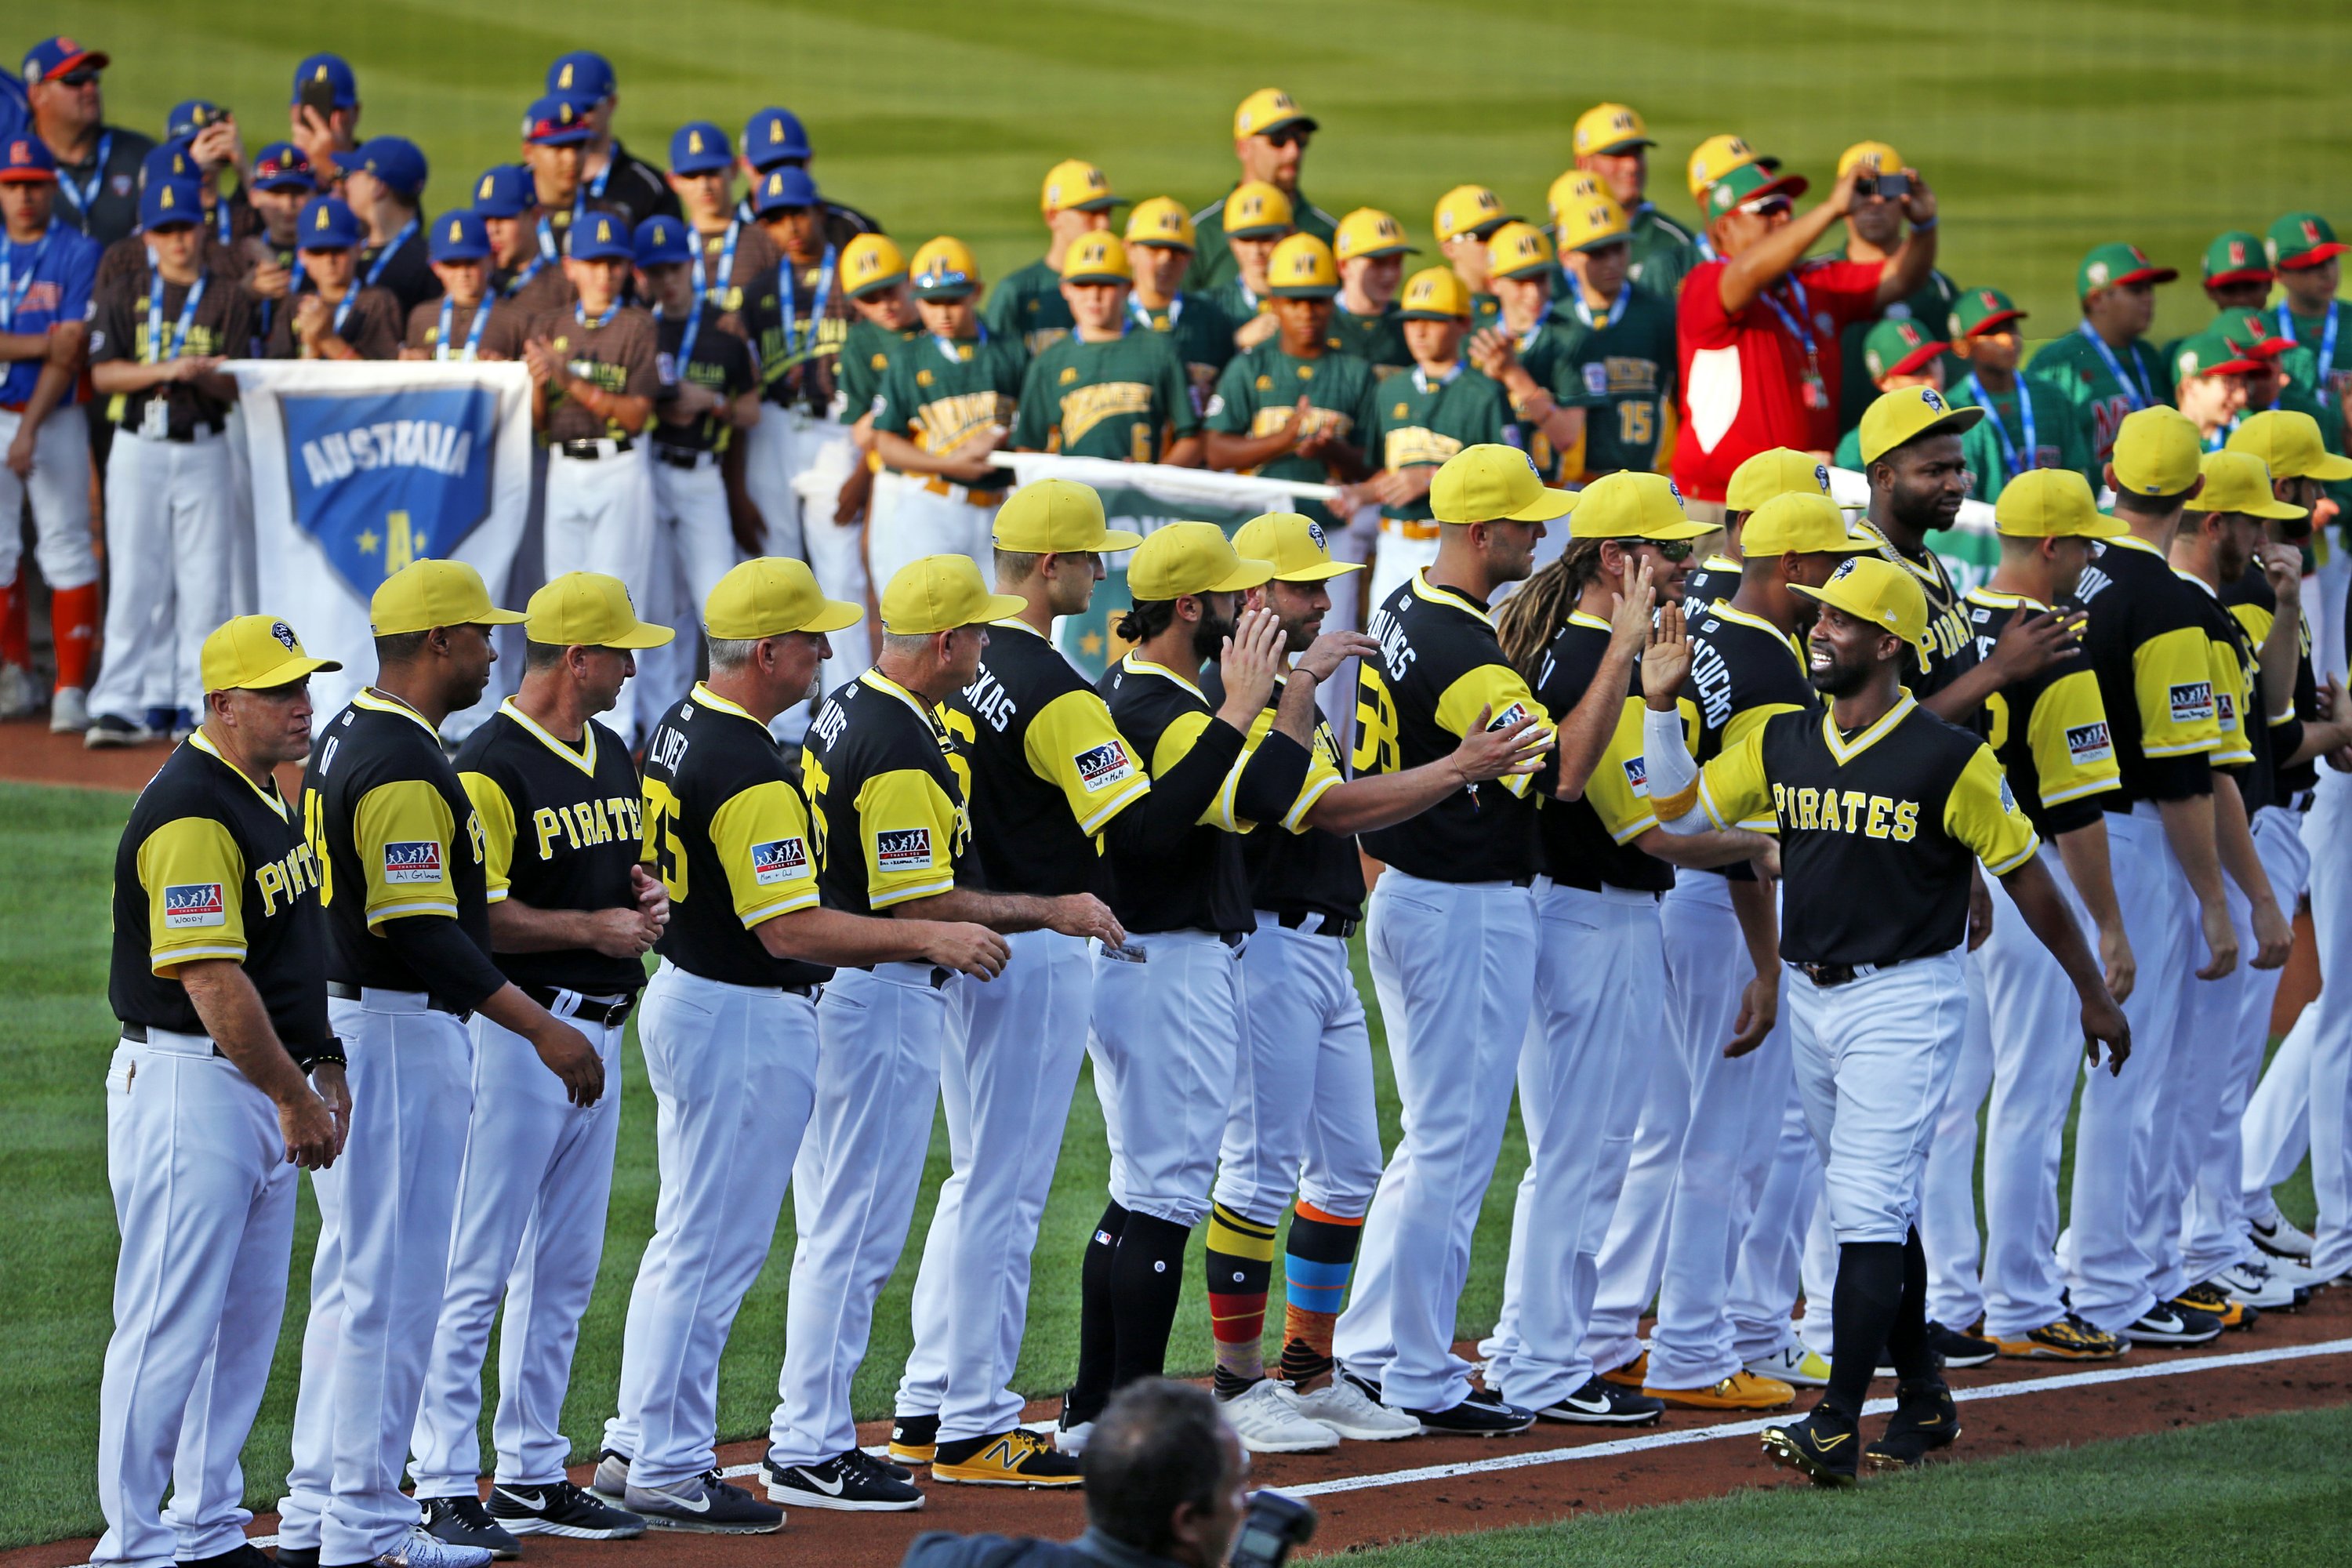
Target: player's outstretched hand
x: 1250, y: 660
x: 2103, y: 1020
x: 653, y: 898
x: 1666, y: 662
x: 1629, y: 616
x: 1507, y: 751
x: 2220, y: 939
x: 2031, y: 644
x: 1760, y: 1007
x: 967, y: 949
x: 307, y: 1125
x: 2273, y: 938
x: 1327, y: 652
x: 1083, y: 914
x: 569, y: 1056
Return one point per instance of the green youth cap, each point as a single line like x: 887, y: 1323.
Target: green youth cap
x: 1899, y: 348
x: 1748, y: 181
x: 2302, y: 239
x: 2236, y: 256
x: 1983, y: 311
x: 2209, y: 353
x: 2112, y: 266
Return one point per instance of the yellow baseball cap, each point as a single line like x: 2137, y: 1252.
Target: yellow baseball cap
x: 2240, y: 481
x: 1266, y: 110
x: 1592, y: 223
x: 938, y: 594
x: 1494, y: 483
x: 1435, y: 294
x: 1873, y: 589
x: 1610, y: 128
x: 1367, y: 231
x: 1801, y: 522
x: 769, y: 595
x: 255, y: 653
x: 2052, y: 504
x: 1077, y: 185
x: 1628, y: 504
x: 1878, y: 154
x: 1058, y: 517
x: 2155, y: 452
x: 427, y: 593
x: 1302, y: 268
x: 1906, y: 414
x: 1190, y: 558
x: 1161, y: 221
x: 1717, y: 156
x: 1098, y: 258
x: 1469, y: 209
x: 1295, y: 544
x: 1257, y: 210
x: 870, y: 262
x: 1572, y: 188
x: 945, y: 268
x: 1775, y: 471
x: 1518, y: 250
x: 2290, y: 443
x: 589, y: 609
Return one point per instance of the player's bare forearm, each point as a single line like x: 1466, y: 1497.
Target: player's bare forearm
x: 1703, y: 850
x: 1908, y: 268
x: 744, y: 412
x: 1295, y: 714
x: 1760, y: 924
x: 1585, y: 732
x: 232, y: 1013
x: 2046, y: 916
x: 2084, y: 854
x: 1008, y: 913
x: 2234, y: 840
x: 49, y: 389
x: 1563, y: 427
x: 1383, y: 800
x: 1233, y: 453
x: 839, y: 938
x: 24, y: 345
x: 2319, y: 738
x: 903, y: 454
x: 119, y: 375
x: 1183, y: 453
x: 2279, y: 657
x: 2189, y: 828
x: 1760, y: 266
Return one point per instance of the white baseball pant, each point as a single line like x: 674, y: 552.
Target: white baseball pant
x: 384, y: 1213
x: 204, y: 1202
x: 1947, y: 1187
x: 1169, y: 1014
x: 1006, y: 1074
x: 2324, y: 607
x: 171, y: 541
x: 59, y: 492
x: 599, y: 515
x: 733, y: 1071
x: 693, y: 547
x: 1770, y: 1274
x: 1452, y: 963
x: 920, y: 521
x: 1396, y: 557
x: 2278, y: 1117
x: 818, y: 457
x: 853, y: 1189
x: 531, y: 1231
x: 2326, y: 829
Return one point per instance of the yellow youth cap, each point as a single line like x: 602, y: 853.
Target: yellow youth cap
x: 1610, y: 128
x: 1161, y: 221
x: 1190, y: 558
x: 870, y: 262
x: 1873, y: 589
x: 1775, y: 471
x: 1800, y: 522
x: 255, y: 653
x: 1076, y: 184
x: 1097, y: 258
x: 1257, y: 210
x: 2289, y: 441
x: 1494, y: 483
x: 2052, y: 504
x: 1877, y: 154
x: 589, y: 609
x: 2155, y: 452
x: 1058, y: 517
x: 769, y: 595
x: 1592, y: 223
x: 427, y: 593
x: 1266, y: 110
x: 1367, y: 231
x: 1628, y: 504
x: 2240, y: 481
x: 945, y: 268
x: 1571, y: 189
x: 1435, y: 294
x: 1301, y: 269
x: 1469, y: 209
x: 938, y: 594
x: 1295, y: 544
x: 1518, y: 250
x: 1717, y: 156
x: 1906, y: 414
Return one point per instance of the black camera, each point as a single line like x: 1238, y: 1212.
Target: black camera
x: 1272, y: 1527
x: 1886, y: 187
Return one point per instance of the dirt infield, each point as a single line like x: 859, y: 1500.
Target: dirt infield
x: 1375, y: 1493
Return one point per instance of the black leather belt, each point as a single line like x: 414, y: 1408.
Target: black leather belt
x: 687, y: 458
x: 612, y: 1015
x: 1826, y: 974
x: 1233, y: 938
x: 1293, y: 919
x: 2300, y: 801
x: 139, y: 1032
x: 593, y: 447
x: 940, y: 977
x: 806, y: 988
x: 343, y: 992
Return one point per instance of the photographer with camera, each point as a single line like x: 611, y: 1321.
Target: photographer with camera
x: 1166, y: 1484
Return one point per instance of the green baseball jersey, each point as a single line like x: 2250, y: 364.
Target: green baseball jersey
x: 1996, y: 450
x: 1545, y: 353
x: 1202, y: 332
x: 1236, y: 302
x: 1122, y: 399
x: 1378, y: 340
x: 1485, y: 310
x: 2315, y: 389
x: 1028, y: 305
x: 1420, y: 422
x: 1212, y: 262
x: 864, y: 355
x: 1624, y: 358
x: 1663, y: 251
x: 2077, y: 365
x: 1261, y: 388
x: 940, y: 394
x: 1930, y: 305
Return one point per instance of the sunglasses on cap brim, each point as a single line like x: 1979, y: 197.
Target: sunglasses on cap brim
x: 1767, y: 206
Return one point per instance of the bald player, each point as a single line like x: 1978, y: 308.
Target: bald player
x: 1370, y: 250
x: 1076, y: 200
x: 1613, y: 145
x: 1875, y: 232
x: 1271, y: 134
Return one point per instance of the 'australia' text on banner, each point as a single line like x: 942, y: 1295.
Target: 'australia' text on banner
x: 383, y: 478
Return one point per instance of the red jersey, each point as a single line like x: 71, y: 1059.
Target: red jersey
x: 1742, y: 387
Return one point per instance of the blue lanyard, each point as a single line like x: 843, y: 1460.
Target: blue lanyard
x: 1526, y: 340
x: 2136, y: 391
x: 473, y: 333
x: 1141, y: 314
x: 220, y: 213
x: 702, y: 283
x: 84, y: 195
x: 693, y: 332
x: 1584, y: 312
x: 579, y: 314
x: 1800, y: 326
x: 156, y: 353
x: 383, y: 256
x: 1975, y: 393
x: 343, y: 310
x: 12, y: 292
x: 547, y: 248
x: 2326, y: 347
x: 593, y: 190
x: 787, y: 294
x: 949, y: 352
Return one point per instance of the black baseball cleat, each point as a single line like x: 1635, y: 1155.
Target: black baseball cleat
x: 295, y: 1557
x: 1601, y: 1403
x: 1925, y: 1420
x: 561, y: 1509
x: 854, y: 1481
x: 464, y: 1522
x: 244, y: 1554
x: 1959, y: 1347
x: 2169, y: 1323
x: 1823, y: 1448
x: 1481, y: 1413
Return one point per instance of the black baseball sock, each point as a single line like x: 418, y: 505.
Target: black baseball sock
x: 1147, y: 1277
x: 1097, y: 1330
x: 1868, y: 1294
x: 1906, y: 1342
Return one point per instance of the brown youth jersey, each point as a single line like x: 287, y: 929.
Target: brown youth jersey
x: 370, y: 320
x: 134, y: 321
x: 444, y: 329
x: 618, y: 353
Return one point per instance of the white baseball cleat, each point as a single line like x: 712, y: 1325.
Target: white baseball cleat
x: 68, y: 711
x: 2250, y: 1281
x: 2280, y: 1236
x: 1267, y: 1418
x: 1795, y: 1365
x: 1346, y: 1409
x: 423, y: 1551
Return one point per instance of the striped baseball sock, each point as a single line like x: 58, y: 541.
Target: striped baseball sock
x: 1315, y: 1271
x: 1240, y: 1266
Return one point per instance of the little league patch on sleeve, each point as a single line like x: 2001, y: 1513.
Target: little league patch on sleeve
x: 1637, y: 775
x: 413, y: 860
x: 194, y: 904
x: 2088, y: 743
x: 1509, y: 716
x: 2191, y: 701
x: 903, y: 849
x: 779, y: 860
x: 1104, y: 765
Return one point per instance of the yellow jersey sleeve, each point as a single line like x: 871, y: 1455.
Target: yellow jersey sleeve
x: 193, y: 875
x: 2074, y: 755
x: 1619, y: 790
x: 1499, y: 687
x: 1072, y: 745
x: 1743, y: 723
x: 1982, y: 813
x: 1178, y: 740
x: 1322, y: 768
x: 2232, y: 694
x: 496, y: 813
x: 406, y: 839
x: 761, y: 836
x: 1733, y: 789
x: 908, y: 823
x: 2172, y: 680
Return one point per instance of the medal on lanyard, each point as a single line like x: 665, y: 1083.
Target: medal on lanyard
x: 84, y: 195
x: 2136, y: 392
x: 579, y: 314
x: 955, y: 353
x: 13, y: 293
x: 1974, y: 392
x: 2326, y: 347
x: 787, y: 295
x: 1816, y: 390
x: 1526, y: 340
x: 1142, y: 316
x: 1420, y: 378
x: 1616, y: 308
x: 383, y: 256
x: 473, y: 332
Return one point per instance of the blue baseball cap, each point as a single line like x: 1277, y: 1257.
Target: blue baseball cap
x: 596, y: 237
x: 505, y: 190
x: 26, y: 159
x: 396, y: 160
x: 557, y: 121
x: 698, y: 147
x: 189, y: 116
x: 52, y: 58
x: 166, y: 161
x: 281, y: 165
x: 331, y: 68
x: 774, y: 136
x: 583, y: 74
x: 662, y: 240
x: 786, y: 185
x: 460, y: 236
x: 166, y: 203
x: 327, y: 224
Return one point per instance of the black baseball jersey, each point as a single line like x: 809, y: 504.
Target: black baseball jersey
x: 562, y: 825
x: 403, y: 270
x: 2146, y: 643
x: 1878, y: 829
x: 1438, y: 666
x: 888, y: 795
x: 395, y: 836
x: 629, y: 184
x: 1717, y: 577
x: 1948, y: 633
x: 1744, y: 670
x: 730, y: 835
x: 2050, y: 730
x: 1304, y: 870
x: 2252, y: 600
x: 721, y: 362
x: 2245, y: 752
x: 101, y: 197
x: 1049, y: 768
x: 120, y: 313
x: 1588, y: 842
x: 212, y: 865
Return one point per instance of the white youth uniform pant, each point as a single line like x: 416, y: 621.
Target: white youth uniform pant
x: 1009, y: 1065
x: 59, y: 492
x: 854, y: 1191
x: 1947, y: 1187
x: 599, y: 516
x: 919, y: 520
x: 733, y: 1071
x: 794, y: 466
x: 2278, y: 1119
x: 384, y: 1213
x: 1452, y: 963
x: 1169, y: 1014
x: 1394, y: 561
x: 204, y: 1202
x: 171, y: 539
x: 530, y: 1232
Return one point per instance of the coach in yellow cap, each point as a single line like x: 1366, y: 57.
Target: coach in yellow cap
x: 1270, y: 137
x: 1076, y: 200
x: 591, y: 613
x: 1613, y: 145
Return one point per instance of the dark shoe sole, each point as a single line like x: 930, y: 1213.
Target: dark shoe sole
x: 1790, y: 1457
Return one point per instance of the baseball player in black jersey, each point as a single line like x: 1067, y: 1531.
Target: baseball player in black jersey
x: 404, y: 874
x: 611, y: 176
x: 210, y: 1099
x: 1874, y: 794
x: 570, y: 913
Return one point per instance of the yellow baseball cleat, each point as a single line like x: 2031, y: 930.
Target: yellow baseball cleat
x: 1743, y: 1390
x: 1017, y: 1459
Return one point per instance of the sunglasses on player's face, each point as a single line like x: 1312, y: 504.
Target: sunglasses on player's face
x: 1669, y: 549
x: 1287, y: 138
x: 1767, y: 206
x: 80, y: 76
